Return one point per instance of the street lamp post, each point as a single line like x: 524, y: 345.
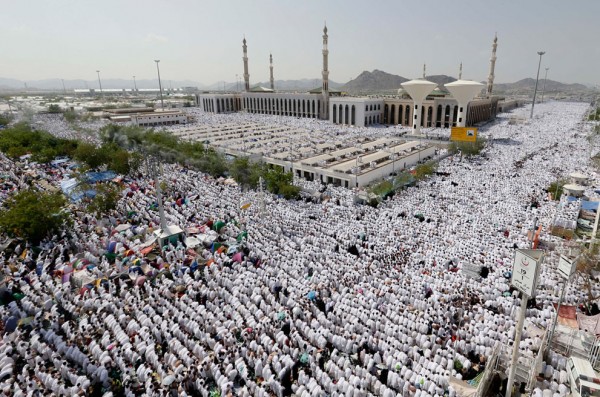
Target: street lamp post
x: 237, y: 87
x: 134, y: 84
x: 99, y: 82
x: 544, y: 87
x: 162, y: 104
x: 540, y: 53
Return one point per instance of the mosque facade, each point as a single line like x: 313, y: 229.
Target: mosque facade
x: 439, y: 109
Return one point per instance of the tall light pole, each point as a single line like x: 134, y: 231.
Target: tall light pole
x: 540, y: 53
x: 134, y: 84
x: 162, y: 104
x: 237, y: 87
x: 544, y: 88
x: 99, y: 82
x: 63, y: 84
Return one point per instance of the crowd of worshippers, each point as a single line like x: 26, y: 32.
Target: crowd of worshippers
x: 304, y: 299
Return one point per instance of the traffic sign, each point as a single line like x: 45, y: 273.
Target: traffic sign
x: 526, y: 270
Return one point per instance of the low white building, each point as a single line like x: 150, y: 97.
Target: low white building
x: 359, y: 111
x: 157, y: 118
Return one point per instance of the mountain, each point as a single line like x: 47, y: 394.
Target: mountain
x: 301, y: 85
x: 56, y: 84
x: 374, y: 81
x: 441, y: 79
x: 528, y: 85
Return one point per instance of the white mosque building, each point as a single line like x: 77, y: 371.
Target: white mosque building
x: 438, y: 108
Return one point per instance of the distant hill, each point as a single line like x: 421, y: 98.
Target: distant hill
x: 377, y: 80
x: 528, y: 85
x: 56, y: 84
x: 301, y: 85
x: 441, y: 79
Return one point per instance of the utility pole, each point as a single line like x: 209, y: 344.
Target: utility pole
x: 540, y: 53
x: 134, y: 84
x: 162, y: 104
x: 154, y: 171
x: 63, y: 84
x: 99, y: 81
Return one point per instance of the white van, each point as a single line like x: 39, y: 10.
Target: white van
x: 584, y: 380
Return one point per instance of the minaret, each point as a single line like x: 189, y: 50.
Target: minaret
x: 424, y: 69
x: 490, y: 84
x: 325, y: 88
x: 460, y: 72
x: 272, y: 80
x: 245, y: 58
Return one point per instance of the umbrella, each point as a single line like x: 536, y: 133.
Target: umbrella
x: 280, y: 316
x: 122, y: 227
x: 218, y: 225
x: 238, y: 257
x: 304, y: 358
x: 312, y: 295
x: 232, y: 249
x: 10, y: 324
x: 140, y: 280
x: 83, y: 290
x: 66, y: 278
x: 168, y: 380
x: 111, y: 247
x: 136, y: 269
x: 25, y: 321
x: 242, y: 236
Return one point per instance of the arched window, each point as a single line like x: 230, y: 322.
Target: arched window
x: 455, y: 114
x: 340, y: 114
x: 393, y: 114
x: 400, y: 114
x: 347, y: 115
x: 334, y: 113
x: 353, y: 116
x: 407, y: 115
x: 429, y: 115
x: 386, y: 114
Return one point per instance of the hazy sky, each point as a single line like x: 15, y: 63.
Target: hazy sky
x: 201, y: 40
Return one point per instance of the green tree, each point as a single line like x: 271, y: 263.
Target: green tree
x: 34, y: 215
x: 90, y: 155
x: 54, y: 108
x: 71, y: 116
x: 20, y: 139
x: 422, y: 171
x: 276, y: 179
x: 106, y: 199
x: 5, y: 118
x: 240, y: 170
x: 289, y: 191
x: 468, y: 149
x: 556, y: 189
